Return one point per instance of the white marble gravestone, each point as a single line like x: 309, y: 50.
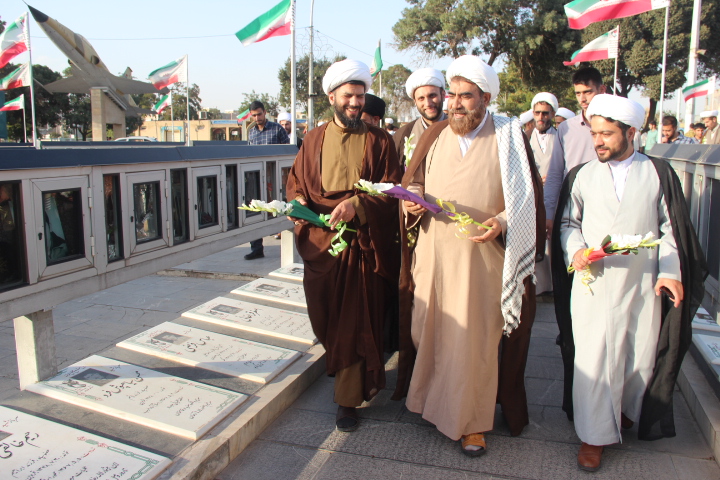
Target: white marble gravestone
x: 293, y: 272
x: 32, y: 448
x: 274, y: 290
x: 136, y: 394
x: 704, y: 321
x: 709, y: 346
x: 238, y: 357
x: 255, y: 318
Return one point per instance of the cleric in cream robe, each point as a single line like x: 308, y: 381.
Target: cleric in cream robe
x: 615, y: 326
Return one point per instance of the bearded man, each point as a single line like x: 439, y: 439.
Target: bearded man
x: 426, y: 87
x: 347, y: 294
x: 459, y: 293
x: 623, y: 344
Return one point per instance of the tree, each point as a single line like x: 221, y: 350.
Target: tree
x: 78, y: 116
x: 179, y: 103
x: 214, y: 114
x: 393, y: 90
x: 302, y: 76
x: 142, y: 100
x: 270, y: 102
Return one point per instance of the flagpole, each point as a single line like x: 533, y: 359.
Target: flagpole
x: 692, y: 61
x: 187, y: 94
x: 24, y: 122
x: 172, y: 119
x: 616, y: 69
x: 293, y: 79
x: 311, y: 89
x: 664, y: 62
x: 32, y: 84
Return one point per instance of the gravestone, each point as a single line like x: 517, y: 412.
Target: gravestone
x: 293, y: 272
x: 709, y: 346
x: 32, y: 448
x: 704, y: 321
x: 254, y: 318
x: 253, y: 361
x: 140, y: 395
x: 274, y: 290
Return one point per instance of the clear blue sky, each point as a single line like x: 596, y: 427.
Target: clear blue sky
x: 147, y: 35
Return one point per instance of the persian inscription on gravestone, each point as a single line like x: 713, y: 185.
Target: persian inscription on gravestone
x: 141, y: 395
x: 254, y: 318
x: 709, y: 346
x: 274, y: 290
x: 704, y: 321
x: 253, y: 361
x: 32, y: 448
x: 293, y: 272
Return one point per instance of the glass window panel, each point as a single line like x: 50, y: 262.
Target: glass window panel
x: 713, y: 231
x: 284, y: 174
x: 113, y: 226
x: 252, y: 190
x: 232, y: 196
x: 207, y: 208
x: 272, y: 190
x: 148, y: 221
x: 179, y: 205
x: 63, y: 225
x: 12, y: 253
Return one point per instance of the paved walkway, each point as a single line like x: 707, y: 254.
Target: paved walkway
x: 393, y: 443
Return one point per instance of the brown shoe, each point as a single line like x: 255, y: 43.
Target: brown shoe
x: 625, y: 422
x: 589, y: 457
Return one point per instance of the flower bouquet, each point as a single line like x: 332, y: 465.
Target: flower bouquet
x: 297, y: 210
x: 409, y: 149
x: 615, y: 244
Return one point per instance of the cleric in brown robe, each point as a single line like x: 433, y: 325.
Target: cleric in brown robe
x: 347, y: 295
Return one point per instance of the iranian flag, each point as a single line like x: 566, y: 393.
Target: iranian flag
x: 20, y: 77
x: 244, y: 115
x: 602, y: 48
x: 13, y: 41
x: 273, y: 23
x: 171, y: 73
x: 582, y: 13
x: 162, y: 104
x: 700, y: 89
x: 377, y: 63
x: 14, y: 104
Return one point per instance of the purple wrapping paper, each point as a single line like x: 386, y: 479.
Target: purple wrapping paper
x: 402, y: 194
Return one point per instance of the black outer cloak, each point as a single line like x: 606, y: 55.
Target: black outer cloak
x: 656, y: 417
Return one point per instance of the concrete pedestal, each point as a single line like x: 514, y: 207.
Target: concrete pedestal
x: 104, y: 112
x: 288, y: 251
x: 35, y: 345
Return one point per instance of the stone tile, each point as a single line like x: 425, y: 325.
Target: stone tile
x: 319, y: 397
x: 544, y: 347
x: 161, y: 287
x: 77, y: 347
x: 406, y: 416
x: 382, y: 407
x: 545, y: 313
x: 545, y: 392
x: 545, y: 330
x: 140, y: 301
x: 616, y: 464
x: 408, y: 442
x: 546, y: 423
x: 694, y: 469
x: 9, y: 387
x: 544, y: 367
x: 286, y: 461
x: 352, y: 467
x: 108, y: 330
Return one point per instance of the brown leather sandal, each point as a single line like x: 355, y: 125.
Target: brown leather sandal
x: 474, y: 439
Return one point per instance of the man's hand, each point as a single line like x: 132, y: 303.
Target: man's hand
x: 675, y: 287
x: 495, y: 230
x: 345, y: 211
x: 580, y: 261
x: 299, y: 221
x: 414, y: 208
x: 548, y: 228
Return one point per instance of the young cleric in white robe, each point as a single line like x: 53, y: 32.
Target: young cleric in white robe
x: 623, y: 342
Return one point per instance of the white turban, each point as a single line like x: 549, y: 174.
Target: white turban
x: 423, y: 77
x: 284, y: 117
x: 477, y: 71
x: 526, y: 117
x: 709, y: 114
x: 621, y: 109
x: 346, y: 71
x: 565, y: 113
x: 546, y: 97
x: 389, y: 120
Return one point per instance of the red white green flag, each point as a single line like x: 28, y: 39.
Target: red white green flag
x: 604, y: 47
x: 377, y: 63
x: 168, y: 74
x: 582, y: 13
x: 162, y: 104
x: 244, y: 115
x: 13, y: 41
x: 273, y: 23
x: 20, y: 77
x: 700, y: 89
x: 14, y: 104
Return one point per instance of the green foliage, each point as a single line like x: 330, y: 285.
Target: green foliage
x: 214, y: 114
x: 393, y: 91
x: 179, y: 103
x: 78, y: 117
x: 271, y: 102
